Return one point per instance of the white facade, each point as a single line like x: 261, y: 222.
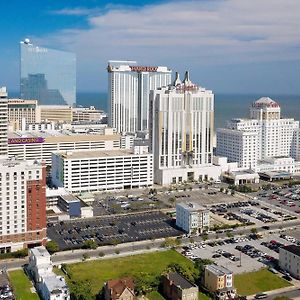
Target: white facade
x: 3, y: 122
x: 289, y: 260
x: 286, y: 164
x: 87, y: 114
x: 129, y: 88
x: 263, y: 136
x: 40, y: 145
x: 90, y: 171
x: 238, y: 146
x: 192, y: 217
x: 182, y: 133
x: 49, y: 285
x: 296, y: 145
x: 14, y: 177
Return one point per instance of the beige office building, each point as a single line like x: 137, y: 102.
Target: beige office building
x: 56, y: 113
x: 87, y: 114
x: 22, y: 112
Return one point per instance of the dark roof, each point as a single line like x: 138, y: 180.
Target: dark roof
x: 293, y: 249
x: 179, y: 280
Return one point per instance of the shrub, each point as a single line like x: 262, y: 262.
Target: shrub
x: 52, y: 247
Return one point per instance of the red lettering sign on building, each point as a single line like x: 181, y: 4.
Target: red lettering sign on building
x: 143, y: 69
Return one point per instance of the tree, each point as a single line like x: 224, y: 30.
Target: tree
x: 190, y: 273
x: 201, y: 263
x: 169, y: 242
x: 90, y: 244
x: 81, y: 290
x: 172, y: 200
x: 253, y: 230
x: 229, y: 234
x: 204, y: 236
x: 52, y: 247
x: 145, y: 283
x: 85, y: 256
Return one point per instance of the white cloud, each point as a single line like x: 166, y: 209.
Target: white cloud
x: 185, y: 33
x: 77, y: 11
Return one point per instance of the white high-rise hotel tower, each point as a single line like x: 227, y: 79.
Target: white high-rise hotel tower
x: 182, y: 132
x: 262, y: 139
x: 3, y: 122
x: 129, y: 88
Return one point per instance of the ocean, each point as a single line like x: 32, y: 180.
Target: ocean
x: 227, y: 106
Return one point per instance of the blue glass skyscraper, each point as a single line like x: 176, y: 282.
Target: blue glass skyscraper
x: 47, y: 75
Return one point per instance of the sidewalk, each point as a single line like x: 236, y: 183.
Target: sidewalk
x: 295, y: 286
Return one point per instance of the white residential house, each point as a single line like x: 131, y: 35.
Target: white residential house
x: 49, y: 285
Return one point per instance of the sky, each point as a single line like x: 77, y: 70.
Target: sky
x: 229, y: 46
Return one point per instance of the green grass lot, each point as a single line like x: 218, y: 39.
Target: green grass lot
x: 21, y: 285
x: 203, y: 296
x: 259, y: 281
x: 155, y: 296
x: 100, y: 271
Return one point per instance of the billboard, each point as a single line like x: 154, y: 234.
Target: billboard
x: 26, y: 140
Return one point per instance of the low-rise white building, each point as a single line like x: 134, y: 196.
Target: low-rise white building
x: 192, y: 217
x: 48, y: 285
x: 284, y: 163
x: 91, y: 171
x: 289, y: 260
x: 41, y: 144
x: 231, y: 173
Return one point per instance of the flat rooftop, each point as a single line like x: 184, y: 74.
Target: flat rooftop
x: 218, y: 270
x: 243, y: 172
x: 54, y: 283
x: 61, y: 136
x: 69, y: 198
x: 40, y: 251
x: 293, y: 249
x: 191, y: 206
x: 95, y: 153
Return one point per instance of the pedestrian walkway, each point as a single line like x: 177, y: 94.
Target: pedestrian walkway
x: 279, y: 291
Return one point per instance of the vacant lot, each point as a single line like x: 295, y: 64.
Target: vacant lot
x: 154, y: 296
x: 259, y: 281
x: 21, y: 285
x: 98, y: 272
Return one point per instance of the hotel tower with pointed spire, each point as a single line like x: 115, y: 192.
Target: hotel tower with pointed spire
x: 182, y: 116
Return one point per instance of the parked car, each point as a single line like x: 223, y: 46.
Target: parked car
x: 260, y: 296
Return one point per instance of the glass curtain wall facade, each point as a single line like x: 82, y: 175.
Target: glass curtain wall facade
x: 47, y: 75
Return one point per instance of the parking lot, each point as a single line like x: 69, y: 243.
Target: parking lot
x: 240, y: 254
x: 148, y: 199
x: 117, y: 204
x: 249, y: 212
x: 5, y: 288
x: 112, y: 229
x: 286, y: 199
